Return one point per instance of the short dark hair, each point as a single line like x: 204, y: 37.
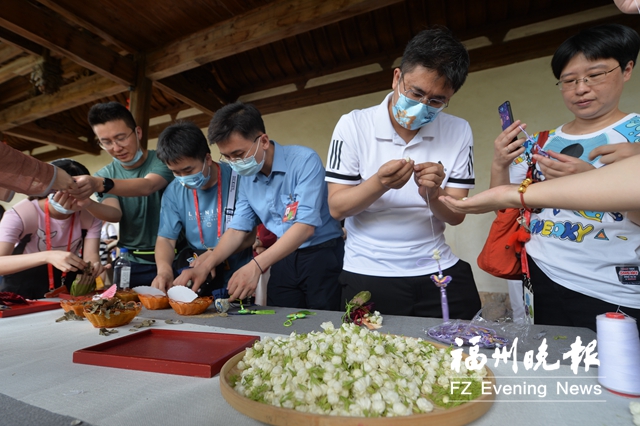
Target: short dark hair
x: 182, y: 139
x: 72, y: 167
x: 601, y: 42
x: 110, y: 111
x: 437, y: 49
x: 244, y: 119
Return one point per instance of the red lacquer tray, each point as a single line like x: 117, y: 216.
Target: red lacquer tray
x: 35, y: 306
x: 67, y: 296
x: 186, y: 353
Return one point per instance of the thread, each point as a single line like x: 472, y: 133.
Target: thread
x: 619, y: 353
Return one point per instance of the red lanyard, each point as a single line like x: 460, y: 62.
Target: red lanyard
x: 48, y: 234
x: 219, y: 212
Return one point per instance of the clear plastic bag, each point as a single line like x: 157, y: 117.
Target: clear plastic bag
x: 494, y: 333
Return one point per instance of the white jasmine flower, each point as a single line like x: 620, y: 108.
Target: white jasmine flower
x: 347, y: 371
x: 424, y: 405
x: 378, y: 406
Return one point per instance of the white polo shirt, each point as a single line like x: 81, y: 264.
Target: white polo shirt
x: 397, y: 234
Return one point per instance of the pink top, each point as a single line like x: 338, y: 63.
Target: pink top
x: 11, y: 227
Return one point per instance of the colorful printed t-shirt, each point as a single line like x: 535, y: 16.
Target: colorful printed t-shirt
x: 592, y: 252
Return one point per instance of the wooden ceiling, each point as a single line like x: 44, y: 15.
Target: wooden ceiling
x: 165, y: 56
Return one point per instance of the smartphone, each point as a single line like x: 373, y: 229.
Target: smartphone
x: 506, y: 116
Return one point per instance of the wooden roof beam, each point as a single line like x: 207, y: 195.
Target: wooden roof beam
x: 536, y: 46
x: 53, y: 5
x: 8, y: 52
x: 196, y: 94
x: 201, y: 120
x: 20, y: 42
x: 55, y: 154
x: 31, y: 22
x: 255, y: 28
x: 80, y: 92
x: 35, y: 133
x: 483, y: 58
x: 316, y: 95
x: 343, y: 89
x: 21, y: 66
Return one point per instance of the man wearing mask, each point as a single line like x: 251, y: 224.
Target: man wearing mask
x: 387, y: 165
x: 282, y: 187
x: 133, y: 183
x: 199, y: 202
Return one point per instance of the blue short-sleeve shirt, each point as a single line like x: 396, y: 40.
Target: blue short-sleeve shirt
x: 297, y: 175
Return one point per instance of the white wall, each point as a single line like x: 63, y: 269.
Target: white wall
x: 529, y: 86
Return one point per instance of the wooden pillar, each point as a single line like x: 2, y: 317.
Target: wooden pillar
x: 140, y: 99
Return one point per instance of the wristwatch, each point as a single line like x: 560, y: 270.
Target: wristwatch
x: 108, y: 186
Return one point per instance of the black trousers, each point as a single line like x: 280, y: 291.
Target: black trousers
x: 554, y: 304
x: 308, y: 278
x: 417, y: 296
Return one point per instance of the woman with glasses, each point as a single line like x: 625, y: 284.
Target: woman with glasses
x: 582, y: 263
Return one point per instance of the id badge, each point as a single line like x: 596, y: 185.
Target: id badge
x: 290, y: 212
x: 528, y: 299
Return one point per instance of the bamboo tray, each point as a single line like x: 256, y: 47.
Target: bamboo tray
x: 278, y: 416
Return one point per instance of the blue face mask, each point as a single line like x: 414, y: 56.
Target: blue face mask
x: 412, y: 114
x: 132, y: 162
x: 196, y: 180
x: 248, y: 166
x: 58, y: 207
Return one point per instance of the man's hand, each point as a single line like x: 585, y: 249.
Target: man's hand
x: 87, y: 185
x: 615, y: 152
x: 561, y: 165
x: 395, y: 174
x: 197, y: 276
x: 428, y: 177
x: 244, y: 281
x: 163, y: 282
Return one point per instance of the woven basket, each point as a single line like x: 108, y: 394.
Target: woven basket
x: 75, y: 305
x: 196, y: 307
x: 127, y: 295
x: 99, y: 320
x: 152, y: 302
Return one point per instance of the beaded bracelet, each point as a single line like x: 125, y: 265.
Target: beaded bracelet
x: 522, y: 189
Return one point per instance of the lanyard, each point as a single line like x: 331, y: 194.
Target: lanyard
x: 219, y: 211
x: 48, y: 233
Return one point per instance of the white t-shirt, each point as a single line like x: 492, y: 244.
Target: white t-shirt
x: 109, y: 231
x: 397, y: 234
x: 593, y: 253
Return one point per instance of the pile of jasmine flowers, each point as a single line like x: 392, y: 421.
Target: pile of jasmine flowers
x: 351, y: 371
